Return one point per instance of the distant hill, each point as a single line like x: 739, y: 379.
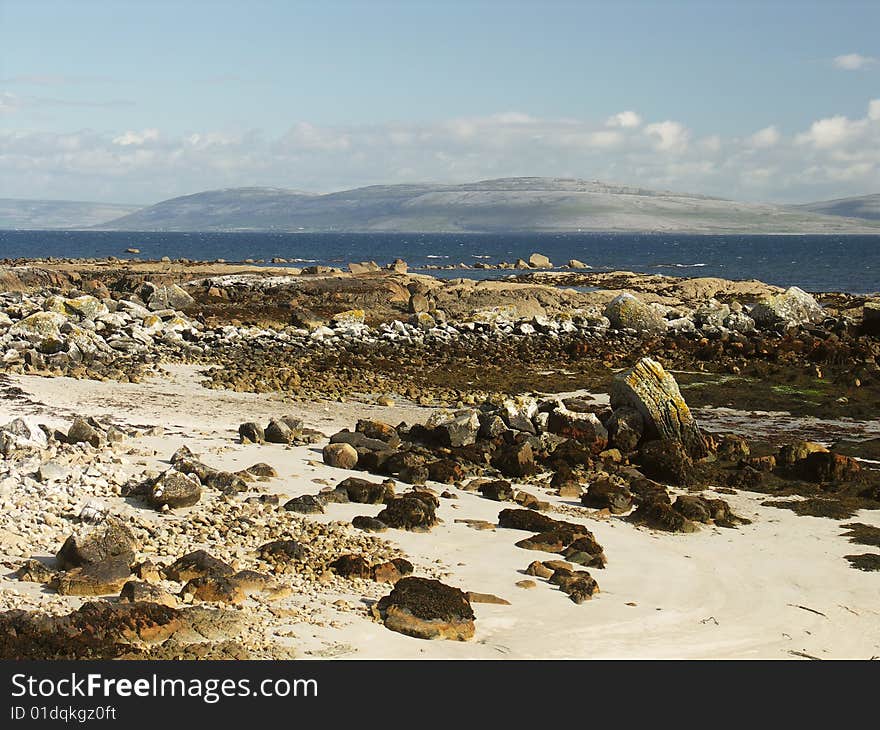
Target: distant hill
x: 509, y: 204
x: 62, y: 214
x: 865, y: 206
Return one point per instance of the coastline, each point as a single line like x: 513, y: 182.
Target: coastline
x: 693, y: 592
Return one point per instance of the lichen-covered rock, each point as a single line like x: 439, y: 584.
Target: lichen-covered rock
x: 169, y: 296
x: 626, y: 311
x: 39, y: 326
x: 427, y: 609
x: 791, y: 308
x: 348, y: 317
x: 653, y: 392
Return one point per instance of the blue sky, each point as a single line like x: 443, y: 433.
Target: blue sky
x: 137, y: 101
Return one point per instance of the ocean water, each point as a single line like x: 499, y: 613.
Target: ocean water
x: 814, y: 263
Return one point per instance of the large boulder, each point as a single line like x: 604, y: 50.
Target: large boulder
x: 791, y: 308
x: 653, y: 392
x: 427, y: 609
x: 539, y: 261
x: 626, y: 311
x: 39, y: 326
x: 168, y: 296
x: 460, y: 430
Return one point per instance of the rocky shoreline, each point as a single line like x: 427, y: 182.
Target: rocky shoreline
x: 170, y: 544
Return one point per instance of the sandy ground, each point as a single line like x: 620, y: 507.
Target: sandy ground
x: 777, y: 588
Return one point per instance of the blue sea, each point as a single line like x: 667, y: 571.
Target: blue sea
x: 814, y: 263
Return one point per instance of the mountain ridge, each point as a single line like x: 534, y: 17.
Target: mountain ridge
x: 512, y: 204
x: 861, y: 206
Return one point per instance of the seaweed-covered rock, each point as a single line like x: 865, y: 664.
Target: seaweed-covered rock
x: 307, y: 504
x: 828, y: 467
x: 197, y: 564
x: 625, y: 428
x: 111, y: 539
x: 516, y: 460
x: 215, y: 588
x: 556, y: 539
x: 579, y: 585
x: 659, y: 515
x: 379, y: 431
x: 135, y: 591
x: 363, y: 491
x: 525, y: 519
x: 666, y: 460
x: 499, y: 490
x: 586, y: 551
x: 283, y: 551
x: 427, y: 609
x: 352, y: 566
x: 605, y: 494
x: 94, y: 579
x: 368, y: 524
x: 413, y: 511
x: 583, y: 427
x: 99, y: 630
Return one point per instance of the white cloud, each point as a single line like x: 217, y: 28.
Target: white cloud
x: 668, y: 136
x: 854, y: 62
x: 830, y: 132
x: 763, y: 138
x: 136, y: 138
x: 831, y: 157
x: 627, y: 120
